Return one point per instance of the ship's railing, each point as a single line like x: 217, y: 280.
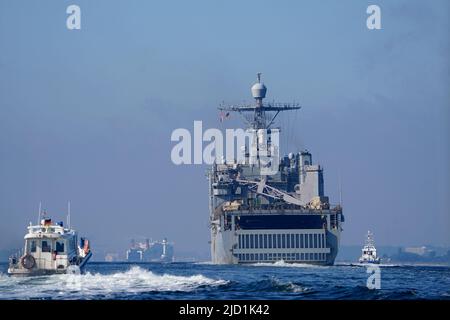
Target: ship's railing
x: 275, y: 208
x: 46, y: 229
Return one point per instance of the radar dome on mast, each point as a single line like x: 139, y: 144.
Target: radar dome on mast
x: 259, y: 89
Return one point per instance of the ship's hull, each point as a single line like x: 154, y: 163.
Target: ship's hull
x: 20, y: 271
x: 369, y: 261
x: 266, y: 238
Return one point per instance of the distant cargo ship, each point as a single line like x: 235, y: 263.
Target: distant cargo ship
x: 150, y: 251
x: 260, y: 217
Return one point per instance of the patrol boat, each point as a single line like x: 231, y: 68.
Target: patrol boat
x: 50, y: 248
x: 369, y: 252
x: 264, y: 208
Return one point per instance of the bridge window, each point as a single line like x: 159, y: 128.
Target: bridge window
x: 310, y: 240
x: 32, y: 246
x: 261, y: 241
x: 278, y: 240
x: 301, y: 241
x: 265, y: 242
x: 283, y: 241
x: 46, y: 246
x: 247, y: 241
x: 59, y: 246
x: 306, y: 241
x: 315, y: 240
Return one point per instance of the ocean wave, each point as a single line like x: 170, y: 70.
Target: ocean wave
x: 204, y: 263
x: 281, y: 263
x: 357, y: 264
x: 135, y: 280
x: 274, y: 285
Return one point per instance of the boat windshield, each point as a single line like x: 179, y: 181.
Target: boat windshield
x: 59, y: 246
x: 31, y: 245
x: 46, y: 246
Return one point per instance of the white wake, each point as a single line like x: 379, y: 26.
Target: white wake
x: 136, y: 280
x: 281, y: 263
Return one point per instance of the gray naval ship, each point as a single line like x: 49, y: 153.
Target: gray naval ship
x: 259, y: 215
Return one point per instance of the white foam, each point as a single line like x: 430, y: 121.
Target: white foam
x: 297, y: 289
x: 281, y: 263
x: 205, y: 263
x: 361, y: 264
x: 135, y: 280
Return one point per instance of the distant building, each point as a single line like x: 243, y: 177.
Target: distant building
x: 421, y: 251
x: 422, y: 254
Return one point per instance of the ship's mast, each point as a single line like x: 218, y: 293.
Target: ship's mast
x: 260, y: 119
x: 369, y: 241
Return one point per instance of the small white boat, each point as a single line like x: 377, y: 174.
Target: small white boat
x: 369, y: 252
x: 50, y: 249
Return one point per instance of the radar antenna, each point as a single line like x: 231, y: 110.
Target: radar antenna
x: 260, y: 120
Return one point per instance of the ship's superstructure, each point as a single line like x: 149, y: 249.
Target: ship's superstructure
x: 369, y: 252
x: 150, y: 251
x: 266, y: 208
x: 51, y: 248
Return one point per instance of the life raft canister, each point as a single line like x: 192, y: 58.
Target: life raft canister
x: 28, y: 261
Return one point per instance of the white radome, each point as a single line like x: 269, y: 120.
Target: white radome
x: 259, y: 90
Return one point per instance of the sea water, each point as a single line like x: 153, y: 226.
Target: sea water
x: 207, y: 281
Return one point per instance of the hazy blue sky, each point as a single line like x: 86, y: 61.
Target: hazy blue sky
x: 87, y: 115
